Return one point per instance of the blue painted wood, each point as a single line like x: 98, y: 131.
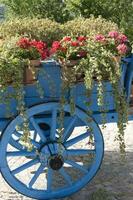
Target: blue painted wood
x: 24, y: 166
x: 77, y: 166
x: 52, y: 77
x: 80, y: 152
x: 73, y: 141
x: 41, y: 154
x: 128, y: 77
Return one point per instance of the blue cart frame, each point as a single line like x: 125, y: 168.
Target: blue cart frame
x: 54, y: 168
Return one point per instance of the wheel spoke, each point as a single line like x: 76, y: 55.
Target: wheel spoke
x: 20, y: 153
x: 79, y: 152
x: 53, y: 125
x: 36, y: 144
x: 38, y: 130
x: 66, y: 176
x: 49, y: 179
x: 36, y: 175
x: 52, y: 149
x: 76, y: 165
x: 77, y: 139
x: 15, y: 144
x: 16, y: 133
x: 69, y: 129
x: 25, y: 166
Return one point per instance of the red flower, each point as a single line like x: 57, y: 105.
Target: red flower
x: 74, y: 44
x: 56, y: 45
x: 24, y: 43
x: 67, y: 39
x: 33, y: 43
x: 82, y: 38
x: 45, y: 54
x: 40, y: 45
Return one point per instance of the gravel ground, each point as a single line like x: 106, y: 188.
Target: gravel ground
x: 114, y: 181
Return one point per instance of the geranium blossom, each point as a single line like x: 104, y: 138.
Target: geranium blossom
x: 74, y: 43
x: 113, y: 34
x: 24, y: 43
x: 41, y: 45
x: 82, y: 38
x: 100, y: 38
x: 45, y: 54
x: 56, y: 45
x: 122, y: 38
x: 122, y: 49
x: 67, y: 39
x: 79, y: 47
x: 34, y: 47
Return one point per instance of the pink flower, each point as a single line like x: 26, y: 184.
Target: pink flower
x: 122, y: 38
x: 82, y: 54
x: 100, y: 38
x: 113, y: 34
x: 122, y: 49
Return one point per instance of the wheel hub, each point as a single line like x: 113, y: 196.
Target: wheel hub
x: 56, y: 162
x: 49, y: 155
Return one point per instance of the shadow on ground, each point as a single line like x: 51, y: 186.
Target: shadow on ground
x: 114, y: 181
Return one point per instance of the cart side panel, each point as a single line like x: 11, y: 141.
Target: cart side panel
x: 50, y: 82
x: 79, y: 93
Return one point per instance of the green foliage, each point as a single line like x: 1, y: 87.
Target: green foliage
x: 90, y: 26
x: 118, y: 11
x: 11, y: 66
x: 52, y: 9
x: 48, y: 31
x: 39, y: 29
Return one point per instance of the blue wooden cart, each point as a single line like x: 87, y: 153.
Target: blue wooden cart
x: 54, y: 169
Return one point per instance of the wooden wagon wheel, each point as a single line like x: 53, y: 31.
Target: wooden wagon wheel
x: 52, y: 169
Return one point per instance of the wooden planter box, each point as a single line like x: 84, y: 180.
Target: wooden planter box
x: 30, y: 72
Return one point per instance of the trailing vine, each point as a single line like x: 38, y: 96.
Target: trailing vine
x: 98, y: 59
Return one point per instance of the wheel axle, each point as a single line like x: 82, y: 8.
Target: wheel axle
x: 56, y: 162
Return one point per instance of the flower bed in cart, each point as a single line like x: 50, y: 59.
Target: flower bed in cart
x: 88, y: 59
